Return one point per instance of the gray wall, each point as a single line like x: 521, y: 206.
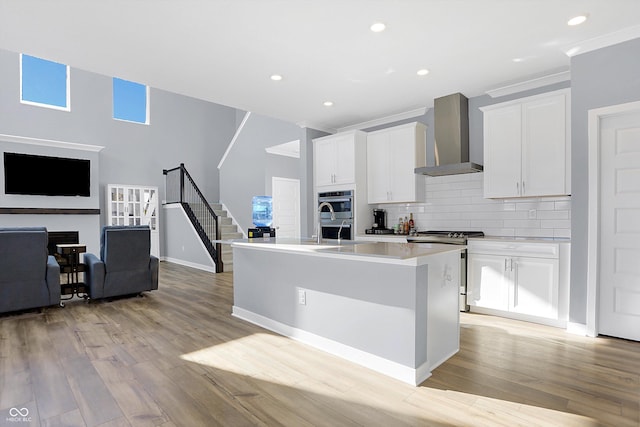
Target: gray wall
x: 182, y: 130
x: 243, y: 172
x: 280, y: 166
x: 600, y: 78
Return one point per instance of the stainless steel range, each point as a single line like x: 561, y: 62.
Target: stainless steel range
x: 451, y: 238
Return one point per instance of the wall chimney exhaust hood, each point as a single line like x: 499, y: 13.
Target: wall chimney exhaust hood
x: 451, y: 128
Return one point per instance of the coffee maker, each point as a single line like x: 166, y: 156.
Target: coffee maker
x: 379, y: 223
x: 379, y: 219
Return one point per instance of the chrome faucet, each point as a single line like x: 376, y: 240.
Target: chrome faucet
x: 344, y: 221
x: 333, y: 217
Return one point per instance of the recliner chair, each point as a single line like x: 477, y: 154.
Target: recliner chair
x: 29, y: 276
x: 125, y: 266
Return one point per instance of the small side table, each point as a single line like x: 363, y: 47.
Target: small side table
x: 72, y: 267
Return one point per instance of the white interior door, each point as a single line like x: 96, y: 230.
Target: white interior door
x: 619, y: 236
x: 286, y: 206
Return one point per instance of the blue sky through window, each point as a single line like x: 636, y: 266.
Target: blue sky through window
x: 44, y: 82
x: 129, y: 101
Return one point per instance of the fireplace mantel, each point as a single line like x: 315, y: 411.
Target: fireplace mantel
x: 50, y: 143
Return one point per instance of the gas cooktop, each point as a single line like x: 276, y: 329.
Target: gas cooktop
x: 440, y: 236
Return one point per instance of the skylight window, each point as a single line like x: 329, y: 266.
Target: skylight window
x: 130, y: 101
x: 44, y: 83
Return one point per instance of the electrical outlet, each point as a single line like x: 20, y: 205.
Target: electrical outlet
x: 532, y: 214
x: 302, y: 297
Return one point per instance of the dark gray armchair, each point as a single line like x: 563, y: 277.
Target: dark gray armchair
x: 29, y: 276
x: 125, y: 266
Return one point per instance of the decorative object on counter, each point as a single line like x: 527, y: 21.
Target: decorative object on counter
x: 262, y: 215
x: 412, y: 225
x: 262, y: 211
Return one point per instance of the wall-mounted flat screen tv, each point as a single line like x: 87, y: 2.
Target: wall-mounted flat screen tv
x: 46, y: 176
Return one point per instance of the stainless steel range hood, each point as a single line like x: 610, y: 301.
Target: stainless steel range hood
x: 451, y: 128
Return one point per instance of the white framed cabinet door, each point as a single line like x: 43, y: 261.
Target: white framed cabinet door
x: 488, y: 281
x: 502, y: 152
x: 378, y: 168
x: 345, y: 165
x: 544, y: 141
x: 324, y: 161
x: 534, y: 288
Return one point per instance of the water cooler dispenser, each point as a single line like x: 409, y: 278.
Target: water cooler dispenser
x: 262, y: 218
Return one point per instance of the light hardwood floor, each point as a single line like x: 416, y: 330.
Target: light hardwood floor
x: 176, y: 357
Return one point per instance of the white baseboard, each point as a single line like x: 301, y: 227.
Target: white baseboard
x: 208, y: 268
x: 577, y: 329
x: 376, y: 363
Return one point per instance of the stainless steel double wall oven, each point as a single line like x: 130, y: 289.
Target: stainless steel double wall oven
x: 342, y: 204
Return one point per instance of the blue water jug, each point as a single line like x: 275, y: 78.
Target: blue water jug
x: 262, y: 216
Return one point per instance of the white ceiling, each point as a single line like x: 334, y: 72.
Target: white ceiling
x: 225, y: 51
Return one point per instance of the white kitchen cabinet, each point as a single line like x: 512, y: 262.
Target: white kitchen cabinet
x: 392, y: 156
x: 487, y: 281
x: 134, y: 205
x: 527, y: 147
x: 523, y: 280
x: 335, y: 158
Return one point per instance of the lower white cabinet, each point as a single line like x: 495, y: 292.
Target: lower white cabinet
x: 522, y: 280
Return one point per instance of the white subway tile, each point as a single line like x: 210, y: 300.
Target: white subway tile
x: 552, y: 215
x: 555, y: 223
x: 533, y: 232
x: 457, y: 203
x: 563, y: 205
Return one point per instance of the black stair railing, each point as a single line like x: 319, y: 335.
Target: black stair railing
x: 181, y: 188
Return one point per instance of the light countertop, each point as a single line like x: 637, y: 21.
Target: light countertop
x: 414, y: 253
x: 523, y: 239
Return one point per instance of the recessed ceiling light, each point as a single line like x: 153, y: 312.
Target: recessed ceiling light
x: 518, y: 59
x: 276, y: 77
x: 328, y: 103
x: 577, y: 20
x: 378, y: 27
x: 423, y: 72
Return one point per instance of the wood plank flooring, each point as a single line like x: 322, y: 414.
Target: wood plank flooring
x: 176, y: 357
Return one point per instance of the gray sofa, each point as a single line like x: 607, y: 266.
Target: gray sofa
x: 125, y: 265
x: 29, y: 276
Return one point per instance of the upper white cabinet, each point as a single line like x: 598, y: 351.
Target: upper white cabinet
x: 134, y: 205
x: 392, y: 156
x: 336, y: 158
x: 527, y: 147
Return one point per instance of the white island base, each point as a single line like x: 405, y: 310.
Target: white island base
x: 392, y: 307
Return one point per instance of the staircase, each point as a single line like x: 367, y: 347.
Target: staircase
x: 210, y: 221
x: 228, y: 231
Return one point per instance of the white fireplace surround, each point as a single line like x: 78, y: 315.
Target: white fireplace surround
x: 62, y: 213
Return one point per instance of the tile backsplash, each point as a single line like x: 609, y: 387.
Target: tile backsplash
x: 455, y: 202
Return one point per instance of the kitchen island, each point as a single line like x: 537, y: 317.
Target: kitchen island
x: 392, y: 307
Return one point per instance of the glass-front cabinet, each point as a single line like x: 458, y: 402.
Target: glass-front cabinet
x: 134, y: 205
